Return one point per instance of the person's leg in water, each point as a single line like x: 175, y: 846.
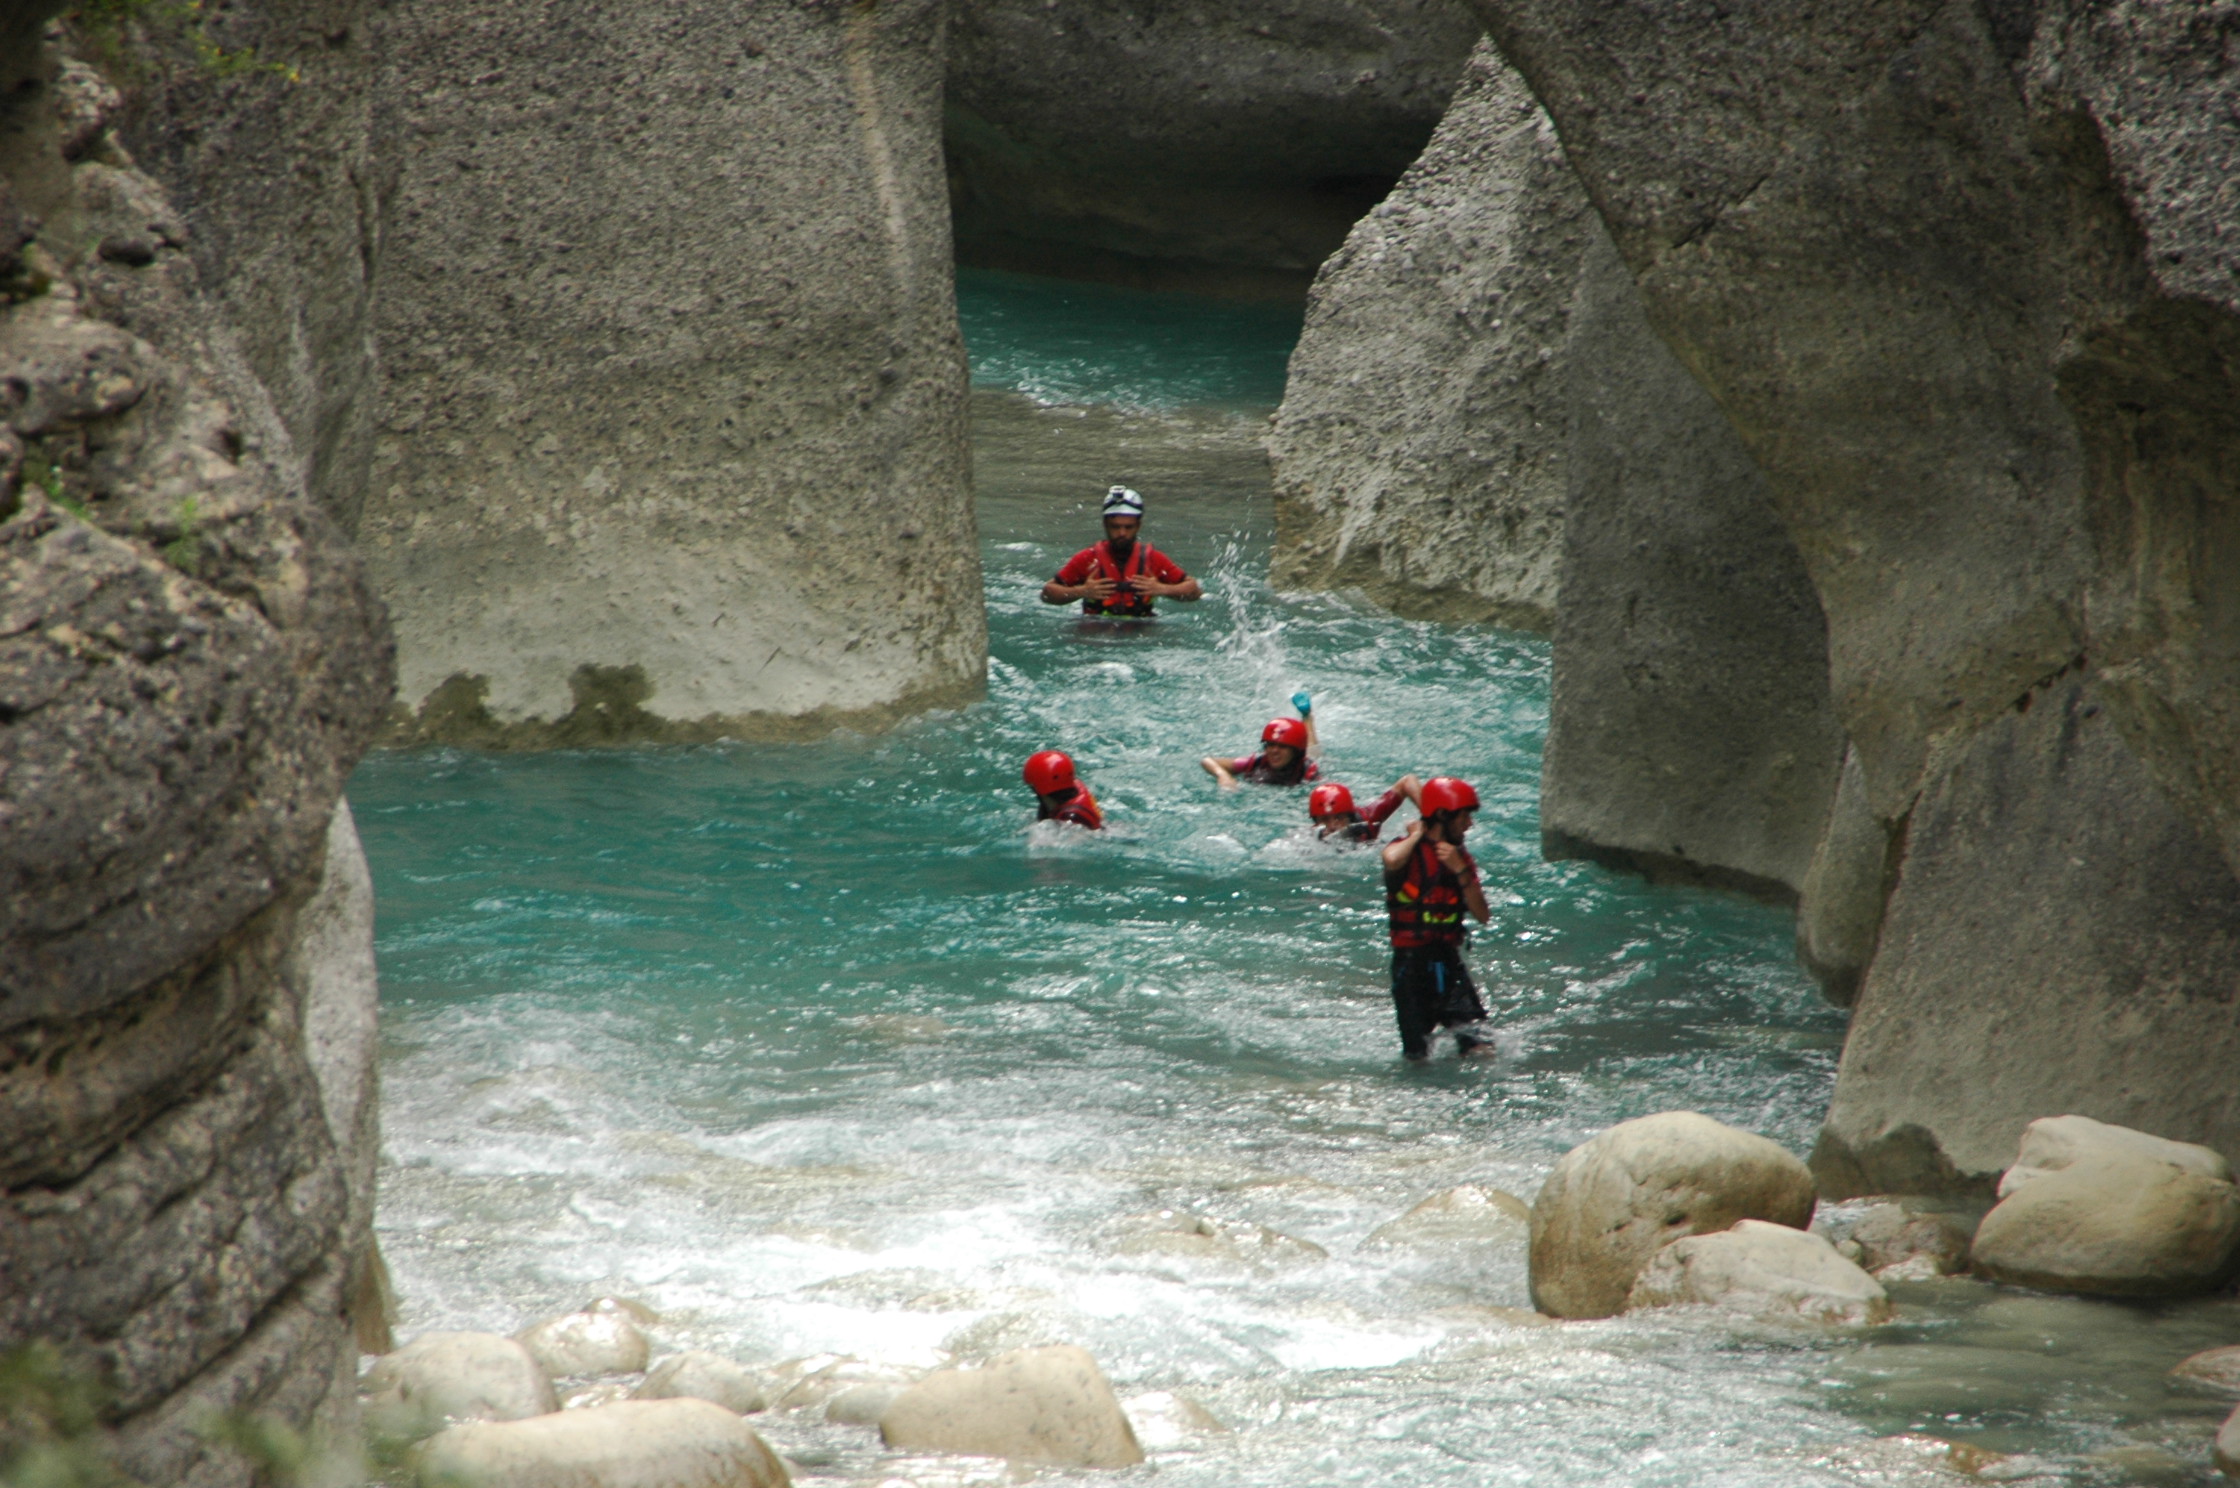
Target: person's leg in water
x: 1413, y: 1004
x: 1459, y: 1007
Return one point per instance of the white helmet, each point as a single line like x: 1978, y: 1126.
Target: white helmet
x: 1122, y: 502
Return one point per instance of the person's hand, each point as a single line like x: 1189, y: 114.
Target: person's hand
x: 1098, y: 587
x: 1303, y: 703
x: 1450, y: 857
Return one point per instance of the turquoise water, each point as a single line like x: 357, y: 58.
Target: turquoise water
x: 825, y: 1047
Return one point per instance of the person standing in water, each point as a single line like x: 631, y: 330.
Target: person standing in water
x: 1059, y: 796
x: 1429, y: 882
x: 1286, y: 757
x: 1333, y: 813
x: 1119, y: 577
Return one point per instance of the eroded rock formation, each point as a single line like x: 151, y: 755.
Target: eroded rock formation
x: 673, y: 437
x: 1221, y: 148
x: 1962, y: 278
x: 190, y: 663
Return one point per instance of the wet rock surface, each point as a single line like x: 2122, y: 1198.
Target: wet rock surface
x: 632, y: 1444
x: 441, y: 1378
x: 1613, y: 1202
x: 1045, y: 1405
x: 699, y: 1375
x: 1764, y: 1270
x: 602, y: 1338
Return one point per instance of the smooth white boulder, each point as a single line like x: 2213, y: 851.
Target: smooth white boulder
x: 2216, y: 1370
x: 2052, y: 1143
x: 1621, y: 1196
x: 439, y: 1378
x: 1467, y: 1215
x: 2101, y: 1210
x: 818, y: 1387
x: 699, y: 1375
x: 632, y: 1444
x: 1766, y: 1270
x: 1050, y: 1405
x: 602, y: 1337
x: 861, y: 1405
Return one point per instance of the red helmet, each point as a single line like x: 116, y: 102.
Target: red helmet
x: 1049, y: 771
x: 1330, y: 800
x: 1445, y: 793
x: 1285, y: 731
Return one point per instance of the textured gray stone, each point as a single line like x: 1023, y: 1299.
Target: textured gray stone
x: 2124, y: 1224
x: 2054, y: 907
x: 1420, y: 451
x: 699, y: 1375
x: 1232, y: 146
x: 1690, y: 732
x: 673, y: 439
x: 441, y: 1378
x: 1839, y: 904
x: 1765, y: 1270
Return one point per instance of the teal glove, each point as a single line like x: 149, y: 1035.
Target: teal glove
x: 1303, y: 703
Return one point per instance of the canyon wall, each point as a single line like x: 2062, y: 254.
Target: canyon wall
x: 1209, y: 148
x: 672, y: 439
x: 191, y: 661
x: 1962, y: 279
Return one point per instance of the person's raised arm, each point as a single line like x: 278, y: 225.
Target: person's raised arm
x: 1412, y: 788
x: 1219, y: 770
x: 1395, y: 853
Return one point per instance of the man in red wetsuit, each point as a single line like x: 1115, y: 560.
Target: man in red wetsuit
x: 1059, y: 795
x: 1429, y: 881
x: 1120, y: 576
x: 1332, y: 810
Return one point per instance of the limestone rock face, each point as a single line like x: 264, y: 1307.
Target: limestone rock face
x: 2094, y: 1208
x: 1126, y: 140
x: 1048, y: 1405
x: 1690, y: 731
x: 633, y: 1444
x: 673, y: 432
x: 190, y: 664
x: 441, y: 1378
x: 1840, y: 902
x: 699, y: 1375
x: 1618, y: 1198
x: 2052, y: 903
x: 1962, y: 282
x: 1420, y: 451
x: 1766, y: 1270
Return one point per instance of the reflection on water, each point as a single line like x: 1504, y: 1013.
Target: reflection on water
x: 820, y: 1047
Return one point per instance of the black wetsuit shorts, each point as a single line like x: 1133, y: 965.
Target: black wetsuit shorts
x: 1431, y: 990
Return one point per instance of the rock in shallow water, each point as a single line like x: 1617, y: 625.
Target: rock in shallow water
x: 1163, y: 1420
x: 2216, y: 1369
x: 601, y: 1338
x: 699, y: 1375
x: 440, y: 1378
x: 2227, y: 1450
x: 1468, y: 1215
x: 2101, y: 1209
x: 1618, y: 1198
x: 1048, y: 1405
x: 633, y: 1444
x: 1892, y: 1234
x: 1766, y: 1270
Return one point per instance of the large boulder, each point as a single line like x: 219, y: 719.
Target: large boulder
x: 1225, y: 148
x: 442, y: 1378
x: 601, y: 1338
x: 1615, y: 1200
x: 2093, y: 1208
x: 1040, y: 1405
x: 2216, y: 1370
x: 1765, y: 1270
x: 1420, y: 451
x: 631, y: 1444
x: 672, y: 437
x: 1690, y: 731
x: 699, y: 1375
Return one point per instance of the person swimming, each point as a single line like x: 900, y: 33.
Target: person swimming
x: 1334, y: 815
x: 1286, y: 756
x: 1059, y: 795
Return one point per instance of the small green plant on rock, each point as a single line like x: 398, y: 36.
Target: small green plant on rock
x: 50, y: 1424
x: 185, y: 552
x: 108, y: 30
x: 47, y: 476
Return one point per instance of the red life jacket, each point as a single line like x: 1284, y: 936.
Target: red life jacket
x: 1130, y: 603
x: 1424, y: 902
x: 1081, y: 810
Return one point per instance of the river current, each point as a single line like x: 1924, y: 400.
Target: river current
x: 824, y: 1047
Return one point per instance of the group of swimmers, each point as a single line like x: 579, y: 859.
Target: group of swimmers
x: 1430, y: 880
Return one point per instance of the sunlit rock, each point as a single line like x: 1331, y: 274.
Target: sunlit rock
x: 2215, y: 1369
x: 861, y: 1405
x: 806, y: 1388
x: 700, y: 1375
x: 1893, y: 1240
x: 2101, y: 1209
x: 633, y: 1444
x: 440, y: 1378
x: 1163, y: 1420
x: 2227, y: 1450
x: 1618, y: 1198
x: 1766, y: 1270
x: 1178, y: 1232
x: 601, y: 1338
x: 1049, y: 1405
x: 1468, y: 1215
